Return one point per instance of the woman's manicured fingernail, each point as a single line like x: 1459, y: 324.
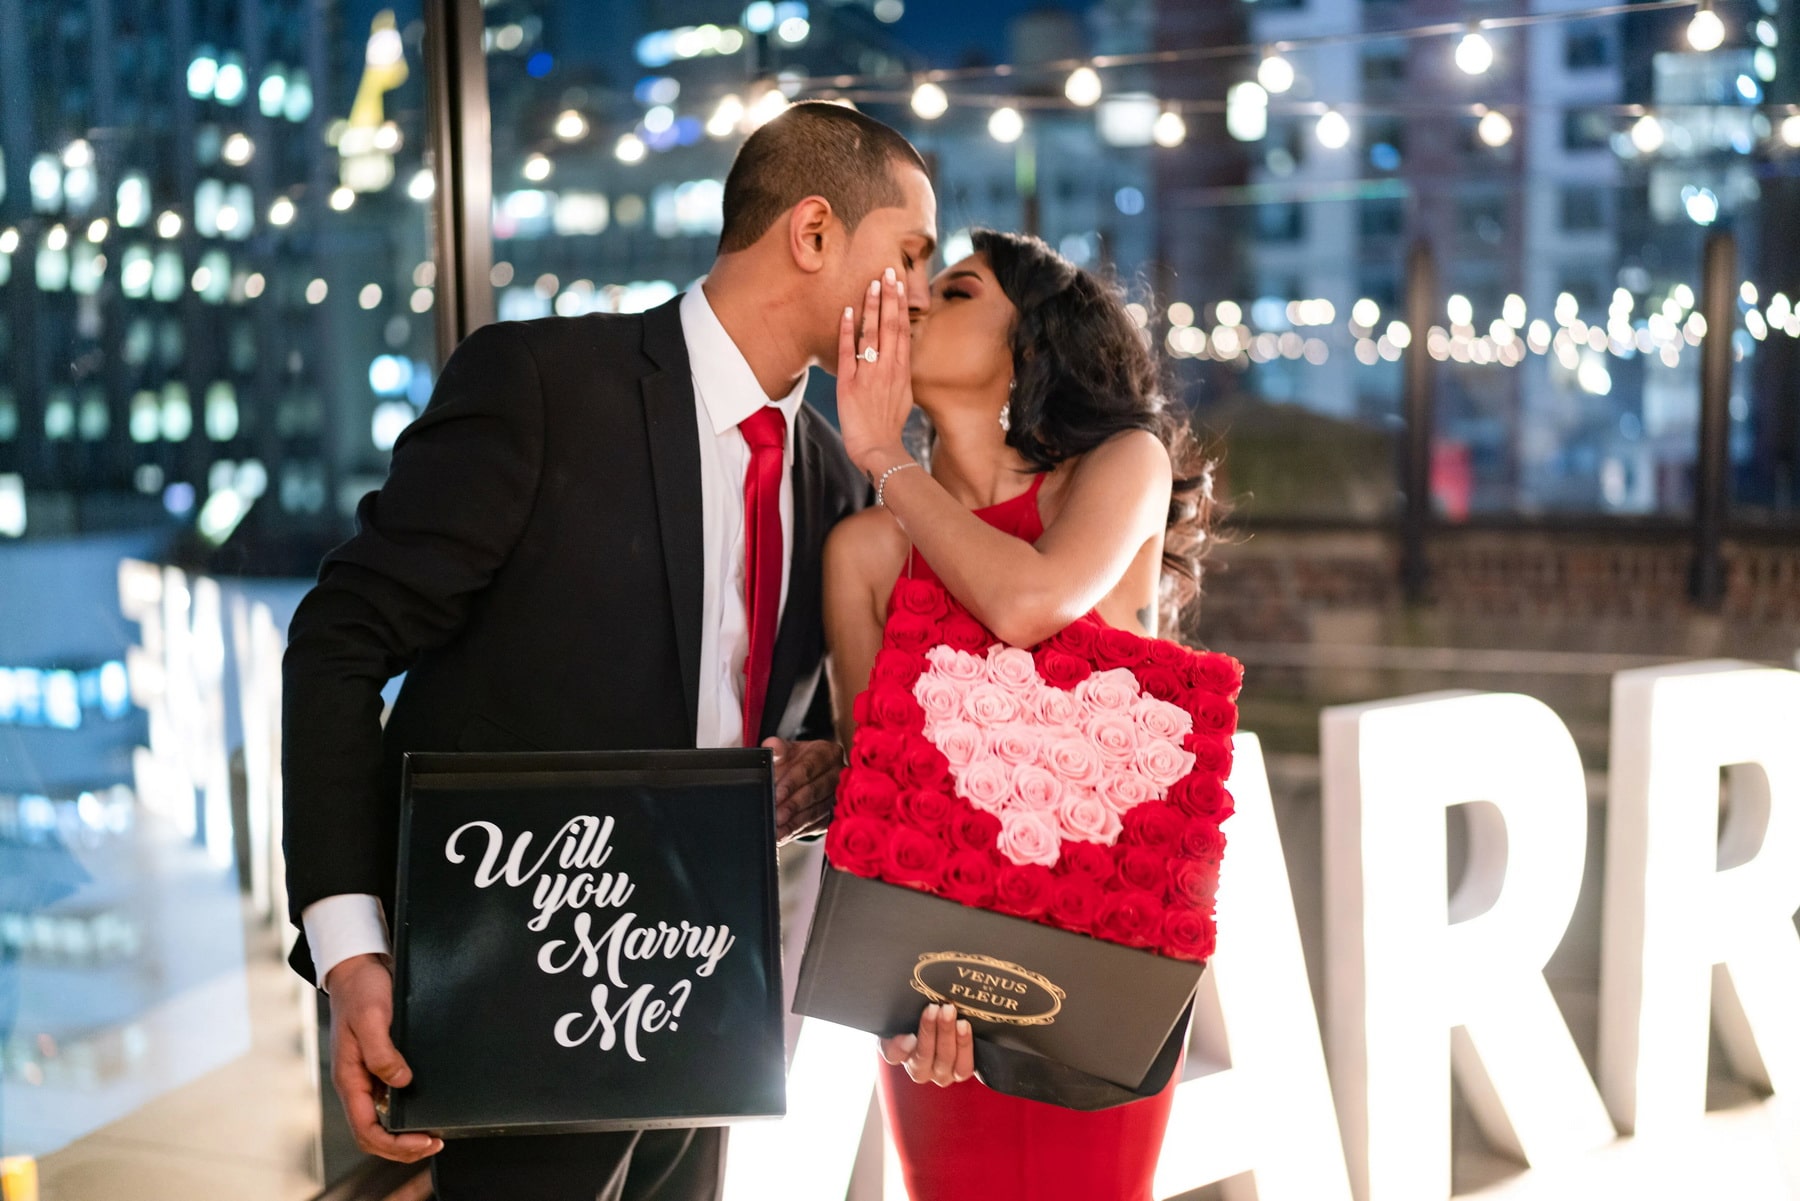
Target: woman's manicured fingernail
x: 849, y: 313
x: 910, y: 1043
x: 888, y: 275
x: 874, y: 287
x: 900, y: 287
x: 962, y: 1027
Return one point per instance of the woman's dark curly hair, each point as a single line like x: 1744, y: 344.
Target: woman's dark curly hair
x: 1083, y: 371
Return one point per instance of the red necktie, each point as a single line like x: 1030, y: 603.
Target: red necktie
x: 766, y: 432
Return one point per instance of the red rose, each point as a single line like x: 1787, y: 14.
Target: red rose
x: 1161, y: 683
x: 1132, y: 917
x: 1158, y: 827
x: 1061, y: 668
x: 1188, y: 934
x: 1074, y: 903
x: 925, y: 809
x: 1119, y: 648
x: 865, y: 792
x: 897, y: 667
x: 1200, y: 795
x: 1168, y: 654
x: 1086, y: 859
x: 1142, y: 868
x: 1076, y: 639
x: 966, y: 634
x: 877, y: 748
x: 1218, y: 674
x: 910, y: 632
x: 924, y: 766
x: 1023, y: 889
x: 1193, y: 882
x: 893, y: 708
x: 923, y: 598
x: 856, y: 844
x: 972, y: 829
x: 1203, y: 840
x: 914, y: 858
x: 968, y: 877
x: 1212, y: 756
x: 1212, y: 714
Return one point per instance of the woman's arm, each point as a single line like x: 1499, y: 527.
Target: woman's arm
x: 863, y: 557
x: 1117, y: 498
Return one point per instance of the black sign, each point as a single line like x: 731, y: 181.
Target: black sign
x: 587, y: 942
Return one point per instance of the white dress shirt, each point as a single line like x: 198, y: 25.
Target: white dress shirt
x: 725, y: 393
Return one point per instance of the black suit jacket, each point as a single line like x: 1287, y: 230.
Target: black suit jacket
x: 534, y: 564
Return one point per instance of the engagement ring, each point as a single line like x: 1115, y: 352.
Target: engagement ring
x: 870, y: 355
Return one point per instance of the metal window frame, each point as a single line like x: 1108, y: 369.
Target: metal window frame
x: 457, y: 114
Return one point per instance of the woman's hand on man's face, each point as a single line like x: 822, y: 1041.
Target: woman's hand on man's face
x: 875, y: 398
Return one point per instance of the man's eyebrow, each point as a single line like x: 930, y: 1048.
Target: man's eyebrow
x: 930, y: 243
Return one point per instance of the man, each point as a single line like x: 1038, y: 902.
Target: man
x: 560, y: 559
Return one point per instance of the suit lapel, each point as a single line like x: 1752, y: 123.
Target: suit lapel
x: 674, y: 435
x: 800, y: 616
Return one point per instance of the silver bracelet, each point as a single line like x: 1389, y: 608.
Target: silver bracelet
x: 881, y: 484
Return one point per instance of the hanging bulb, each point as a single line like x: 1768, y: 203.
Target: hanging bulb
x: 1706, y: 32
x: 1083, y: 86
x: 1647, y: 134
x: 1169, y: 129
x: 1006, y: 125
x: 1333, y: 130
x: 1275, y: 73
x: 929, y: 101
x: 1494, y: 129
x: 1474, y: 54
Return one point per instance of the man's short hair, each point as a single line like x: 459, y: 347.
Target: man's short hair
x: 815, y: 148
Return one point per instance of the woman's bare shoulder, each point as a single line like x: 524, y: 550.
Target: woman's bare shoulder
x: 868, y: 542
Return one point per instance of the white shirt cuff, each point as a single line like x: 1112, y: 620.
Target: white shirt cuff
x: 343, y: 926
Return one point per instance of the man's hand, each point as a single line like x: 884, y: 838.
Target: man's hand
x: 364, y: 1061
x: 941, y: 1053
x: 806, y: 775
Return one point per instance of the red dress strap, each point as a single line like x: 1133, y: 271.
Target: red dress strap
x: 1017, y: 515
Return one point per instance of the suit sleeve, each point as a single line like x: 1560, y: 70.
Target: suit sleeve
x: 458, y: 493
x: 848, y: 493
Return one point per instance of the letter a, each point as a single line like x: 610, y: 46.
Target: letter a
x: 1268, y: 1113
x: 1410, y: 984
x: 1688, y: 901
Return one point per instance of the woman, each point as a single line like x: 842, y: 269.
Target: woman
x: 1059, y: 484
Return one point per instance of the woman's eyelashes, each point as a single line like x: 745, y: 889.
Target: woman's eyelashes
x: 955, y: 293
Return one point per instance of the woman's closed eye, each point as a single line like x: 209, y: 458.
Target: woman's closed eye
x: 956, y: 294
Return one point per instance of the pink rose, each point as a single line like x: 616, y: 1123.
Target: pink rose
x: 1163, y: 763
x: 940, y: 696
x: 1112, y: 734
x: 957, y: 665
x: 1114, y: 691
x: 1159, y: 719
x: 1030, y: 838
x: 1074, y: 759
x: 1016, y: 744
x: 1125, y: 790
x: 1052, y: 706
x: 1084, y: 817
x: 1035, y: 788
x: 990, y: 705
x: 984, y: 784
x: 961, y: 742
x: 1012, y: 667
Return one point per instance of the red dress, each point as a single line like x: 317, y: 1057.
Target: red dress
x: 969, y: 1141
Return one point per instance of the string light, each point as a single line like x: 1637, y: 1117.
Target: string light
x: 630, y: 149
x: 342, y: 199
x: 1083, y: 87
x: 1790, y: 130
x: 929, y: 101
x: 1333, y: 131
x: 281, y: 212
x: 1169, y: 129
x: 1647, y: 134
x: 1474, y: 54
x: 1494, y: 128
x: 537, y: 168
x: 571, y: 126
x: 1006, y: 125
x: 1275, y: 73
x: 1706, y: 32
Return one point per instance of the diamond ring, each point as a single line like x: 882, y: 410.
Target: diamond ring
x: 870, y: 354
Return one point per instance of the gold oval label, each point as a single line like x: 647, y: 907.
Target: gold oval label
x: 988, y: 988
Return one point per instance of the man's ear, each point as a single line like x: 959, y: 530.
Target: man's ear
x: 812, y: 227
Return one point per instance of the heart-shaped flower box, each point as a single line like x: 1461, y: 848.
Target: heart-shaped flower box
x: 1032, y: 836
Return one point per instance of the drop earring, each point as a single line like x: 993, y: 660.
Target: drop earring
x: 1006, y: 409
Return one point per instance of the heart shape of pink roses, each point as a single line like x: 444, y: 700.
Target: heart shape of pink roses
x: 1054, y: 765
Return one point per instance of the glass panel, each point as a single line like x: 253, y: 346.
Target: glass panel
x: 214, y: 314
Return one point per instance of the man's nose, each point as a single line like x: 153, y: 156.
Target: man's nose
x: 918, y: 295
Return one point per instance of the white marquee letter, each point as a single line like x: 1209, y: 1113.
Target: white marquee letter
x: 1408, y: 983
x: 1684, y: 895
x: 1269, y: 1113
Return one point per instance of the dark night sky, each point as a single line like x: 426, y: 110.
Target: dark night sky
x: 944, y: 29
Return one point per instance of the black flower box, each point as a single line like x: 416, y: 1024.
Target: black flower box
x: 1057, y: 1016
x: 587, y: 941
